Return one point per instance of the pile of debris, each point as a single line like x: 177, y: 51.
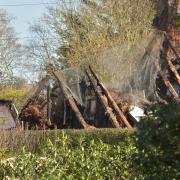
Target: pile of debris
x: 34, y: 116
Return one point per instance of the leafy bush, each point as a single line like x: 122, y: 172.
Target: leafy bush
x: 158, y: 143
x: 150, y: 152
x: 18, y: 96
x: 60, y: 160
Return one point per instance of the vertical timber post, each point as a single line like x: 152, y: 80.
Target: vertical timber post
x: 49, y: 104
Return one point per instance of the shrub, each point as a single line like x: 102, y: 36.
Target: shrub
x: 151, y: 152
x: 157, y: 141
x: 92, y: 159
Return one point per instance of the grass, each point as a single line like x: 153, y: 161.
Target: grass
x: 2, y: 120
x: 18, y: 96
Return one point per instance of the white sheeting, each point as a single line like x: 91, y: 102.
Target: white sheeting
x: 137, y: 113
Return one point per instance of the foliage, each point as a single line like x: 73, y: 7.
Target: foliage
x: 97, y: 26
x: 60, y: 160
x: 157, y: 140
x: 18, y: 96
x: 150, y: 152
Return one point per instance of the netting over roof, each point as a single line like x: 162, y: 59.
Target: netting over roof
x: 72, y: 78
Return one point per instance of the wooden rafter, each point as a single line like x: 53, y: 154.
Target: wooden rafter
x: 166, y: 80
x: 121, y: 117
x: 72, y: 103
x: 174, y: 71
x: 103, y: 101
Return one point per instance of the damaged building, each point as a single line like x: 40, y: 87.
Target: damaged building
x: 74, y: 98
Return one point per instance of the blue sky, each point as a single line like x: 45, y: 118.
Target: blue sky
x: 24, y: 14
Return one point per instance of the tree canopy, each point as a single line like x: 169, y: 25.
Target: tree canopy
x: 97, y: 25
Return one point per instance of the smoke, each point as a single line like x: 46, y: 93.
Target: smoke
x: 131, y: 70
x: 128, y: 70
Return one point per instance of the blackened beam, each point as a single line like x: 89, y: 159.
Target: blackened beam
x: 121, y: 117
x: 166, y: 80
x: 49, y: 104
x: 171, y: 46
x: 174, y: 71
x: 72, y: 103
x: 171, y: 66
x: 107, y: 109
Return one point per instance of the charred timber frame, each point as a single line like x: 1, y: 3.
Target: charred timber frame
x: 174, y: 71
x: 103, y: 101
x: 121, y: 117
x: 171, y: 46
x: 49, y: 104
x: 166, y: 80
x: 72, y: 103
x: 171, y: 66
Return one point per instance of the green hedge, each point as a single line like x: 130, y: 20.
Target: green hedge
x: 71, y: 154
x: 93, y: 159
x: 150, y: 152
x: 158, y: 143
x: 14, y: 141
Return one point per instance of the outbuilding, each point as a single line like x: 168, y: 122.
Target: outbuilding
x: 8, y: 115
